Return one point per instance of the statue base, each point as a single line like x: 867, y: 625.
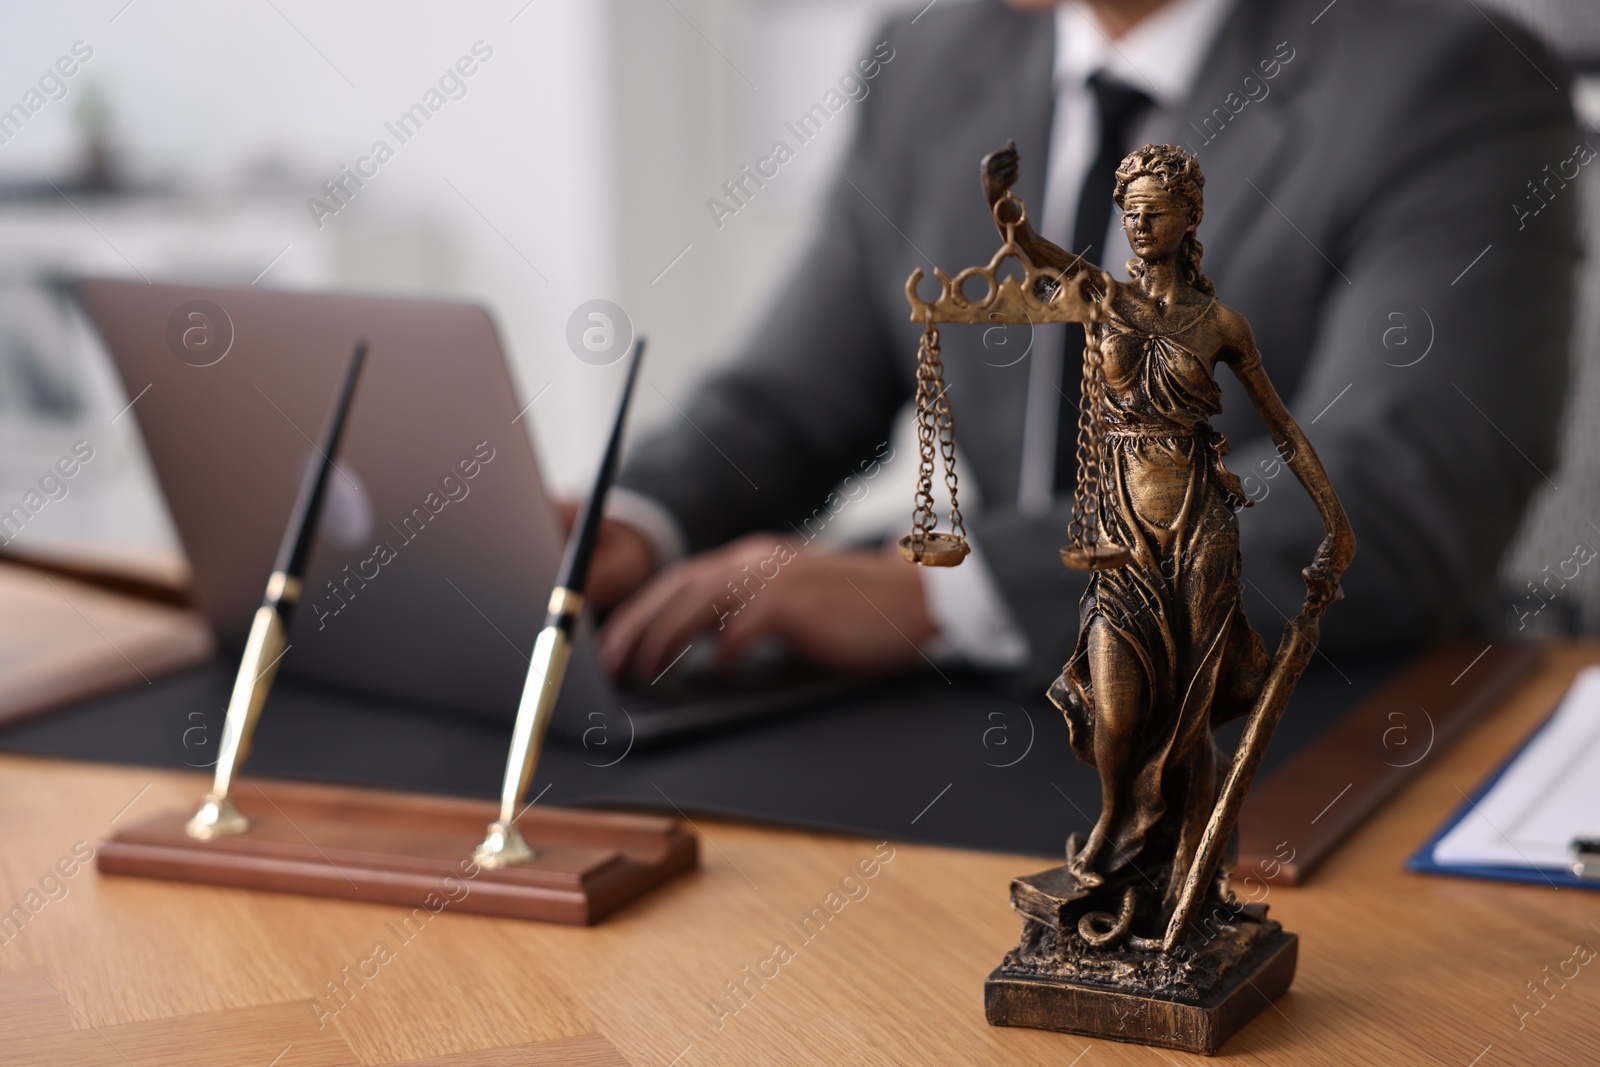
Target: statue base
x: 1236, y: 963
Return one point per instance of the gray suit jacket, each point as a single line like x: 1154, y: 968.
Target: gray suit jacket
x: 1382, y: 166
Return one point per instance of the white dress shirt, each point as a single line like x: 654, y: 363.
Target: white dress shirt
x: 1160, y: 56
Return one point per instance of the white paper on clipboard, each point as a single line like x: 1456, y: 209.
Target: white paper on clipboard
x: 1549, y: 794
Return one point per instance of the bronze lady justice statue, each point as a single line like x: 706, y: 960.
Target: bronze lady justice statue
x: 1164, y: 654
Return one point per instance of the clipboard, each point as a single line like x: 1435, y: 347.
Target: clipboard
x: 1557, y: 877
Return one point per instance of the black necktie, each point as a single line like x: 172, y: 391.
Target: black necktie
x: 1118, y: 106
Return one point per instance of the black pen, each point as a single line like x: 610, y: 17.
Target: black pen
x: 504, y: 845
x: 218, y: 816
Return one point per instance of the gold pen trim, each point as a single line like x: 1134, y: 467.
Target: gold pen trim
x: 283, y: 587
x: 565, y: 601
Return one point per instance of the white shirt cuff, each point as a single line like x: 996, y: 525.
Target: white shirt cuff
x: 975, y: 627
x: 647, y: 515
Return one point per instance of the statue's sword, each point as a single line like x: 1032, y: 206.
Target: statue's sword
x: 1294, y: 652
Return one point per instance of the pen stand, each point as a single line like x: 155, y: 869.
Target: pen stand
x: 389, y: 848
x: 415, y: 851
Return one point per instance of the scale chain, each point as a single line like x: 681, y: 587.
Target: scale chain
x: 935, y: 432
x: 1085, y: 521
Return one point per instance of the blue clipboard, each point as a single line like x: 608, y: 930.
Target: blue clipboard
x: 1422, y: 862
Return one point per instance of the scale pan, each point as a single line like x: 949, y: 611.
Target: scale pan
x: 937, y: 550
x: 1096, y: 557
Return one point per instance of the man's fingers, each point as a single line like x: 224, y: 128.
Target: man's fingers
x: 675, y: 626
x: 647, y: 630
x: 737, y: 594
x: 621, y: 633
x: 762, y: 617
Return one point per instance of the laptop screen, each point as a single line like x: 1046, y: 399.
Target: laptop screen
x: 437, y: 545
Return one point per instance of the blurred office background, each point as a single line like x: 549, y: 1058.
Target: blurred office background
x: 575, y: 163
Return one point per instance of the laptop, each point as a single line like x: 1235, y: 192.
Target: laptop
x: 438, y: 544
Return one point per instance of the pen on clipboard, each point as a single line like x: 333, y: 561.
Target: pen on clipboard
x: 1585, y: 855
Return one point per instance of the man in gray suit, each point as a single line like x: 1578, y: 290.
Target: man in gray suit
x: 1369, y: 166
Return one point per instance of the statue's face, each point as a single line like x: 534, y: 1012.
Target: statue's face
x: 1154, y: 220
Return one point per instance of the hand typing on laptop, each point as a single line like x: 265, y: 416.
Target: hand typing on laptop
x: 848, y: 610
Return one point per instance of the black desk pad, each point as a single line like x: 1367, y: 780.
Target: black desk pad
x: 927, y: 759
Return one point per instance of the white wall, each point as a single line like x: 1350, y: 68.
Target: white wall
x: 576, y: 166
x: 232, y: 103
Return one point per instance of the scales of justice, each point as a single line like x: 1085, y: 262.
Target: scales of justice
x: 1137, y: 937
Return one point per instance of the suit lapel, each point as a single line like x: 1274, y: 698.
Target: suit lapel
x: 1030, y: 101
x: 1241, y: 160
x: 1011, y: 98
x: 1017, y: 105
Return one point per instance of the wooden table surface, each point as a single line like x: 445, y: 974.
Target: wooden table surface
x: 1395, y: 968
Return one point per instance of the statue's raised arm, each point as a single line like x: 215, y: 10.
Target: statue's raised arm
x: 999, y: 173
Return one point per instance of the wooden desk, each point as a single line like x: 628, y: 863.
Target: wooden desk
x: 1395, y: 968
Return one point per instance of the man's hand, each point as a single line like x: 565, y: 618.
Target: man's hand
x: 841, y: 610
x: 623, y: 559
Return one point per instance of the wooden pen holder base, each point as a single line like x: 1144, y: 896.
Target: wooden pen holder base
x: 415, y: 851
